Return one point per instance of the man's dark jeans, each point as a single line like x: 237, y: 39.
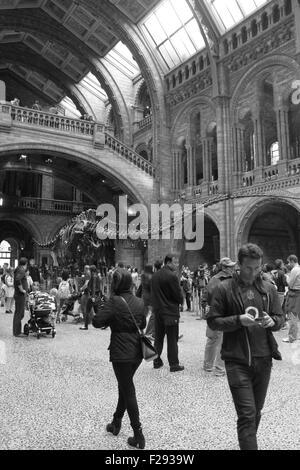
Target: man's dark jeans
x: 172, y: 339
x: 19, y: 314
x: 249, y: 387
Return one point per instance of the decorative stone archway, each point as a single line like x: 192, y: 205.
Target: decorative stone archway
x: 273, y: 223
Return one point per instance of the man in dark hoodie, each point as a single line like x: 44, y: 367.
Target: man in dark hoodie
x: 247, y: 310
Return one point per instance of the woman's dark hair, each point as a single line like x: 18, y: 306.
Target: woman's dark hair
x: 93, y: 269
x: 121, y: 281
x: 65, y: 275
x: 148, y: 269
x: 269, y: 268
x: 279, y: 263
x: 158, y: 264
x: 22, y: 261
x: 250, y: 251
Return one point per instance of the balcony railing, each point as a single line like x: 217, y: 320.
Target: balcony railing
x: 49, y: 205
x: 129, y: 155
x: 52, y: 121
x: 147, y: 121
x: 98, y: 133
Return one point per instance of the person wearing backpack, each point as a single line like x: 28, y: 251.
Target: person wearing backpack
x: 64, y: 291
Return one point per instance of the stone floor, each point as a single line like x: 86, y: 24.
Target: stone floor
x: 59, y: 394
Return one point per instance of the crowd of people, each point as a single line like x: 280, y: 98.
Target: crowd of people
x: 243, y: 302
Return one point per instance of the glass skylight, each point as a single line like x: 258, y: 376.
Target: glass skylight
x: 121, y: 58
x: 174, y: 32
x: 228, y: 13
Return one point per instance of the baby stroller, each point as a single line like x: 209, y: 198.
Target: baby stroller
x: 67, y: 308
x: 42, y: 315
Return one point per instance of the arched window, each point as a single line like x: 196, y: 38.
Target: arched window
x: 5, y: 253
x: 275, y: 155
x: 254, y: 28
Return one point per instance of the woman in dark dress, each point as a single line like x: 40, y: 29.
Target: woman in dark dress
x: 125, y: 350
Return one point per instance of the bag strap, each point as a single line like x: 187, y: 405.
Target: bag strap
x: 132, y: 316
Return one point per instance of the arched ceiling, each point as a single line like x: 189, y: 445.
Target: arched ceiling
x: 54, y: 44
x: 86, y: 177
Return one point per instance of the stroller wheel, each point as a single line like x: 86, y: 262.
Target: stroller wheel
x: 38, y: 335
x: 53, y: 333
x: 26, y: 330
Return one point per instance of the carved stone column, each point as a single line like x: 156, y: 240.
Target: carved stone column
x: 282, y: 117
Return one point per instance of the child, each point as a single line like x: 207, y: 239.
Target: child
x: 64, y: 292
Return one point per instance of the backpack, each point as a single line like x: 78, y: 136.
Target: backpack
x: 64, y: 290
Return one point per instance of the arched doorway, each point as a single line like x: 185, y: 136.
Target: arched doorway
x: 18, y: 238
x: 210, y: 253
x: 275, y: 228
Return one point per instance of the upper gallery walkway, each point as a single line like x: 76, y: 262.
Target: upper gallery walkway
x: 23, y: 129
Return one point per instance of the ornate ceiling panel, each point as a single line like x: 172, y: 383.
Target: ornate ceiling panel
x: 36, y: 80
x: 135, y: 10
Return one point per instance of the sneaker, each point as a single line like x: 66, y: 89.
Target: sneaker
x: 177, y: 368
x: 220, y: 373
x: 287, y: 340
x: 83, y: 328
x: 157, y: 364
x: 206, y: 369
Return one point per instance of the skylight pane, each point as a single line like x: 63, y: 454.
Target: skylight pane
x: 194, y: 32
x: 231, y: 12
x: 171, y: 52
x: 183, y: 11
x: 167, y: 57
x: 155, y: 29
x: 248, y: 6
x: 168, y: 18
x: 183, y: 44
x: 235, y: 10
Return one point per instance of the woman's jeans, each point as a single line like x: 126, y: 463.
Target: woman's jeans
x: 249, y: 387
x: 124, y: 372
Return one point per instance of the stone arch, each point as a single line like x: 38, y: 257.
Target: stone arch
x: 188, y: 109
x: 33, y: 229
x: 210, y: 252
x: 260, y: 67
x: 247, y: 217
x: 143, y: 150
x: 56, y: 150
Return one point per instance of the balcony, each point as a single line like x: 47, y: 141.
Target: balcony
x: 84, y: 135
x: 52, y: 206
x: 275, y: 178
x: 52, y: 121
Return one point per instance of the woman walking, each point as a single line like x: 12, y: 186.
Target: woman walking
x: 125, y: 350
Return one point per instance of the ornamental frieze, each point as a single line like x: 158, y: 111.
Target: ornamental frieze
x: 190, y: 89
x: 256, y: 50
